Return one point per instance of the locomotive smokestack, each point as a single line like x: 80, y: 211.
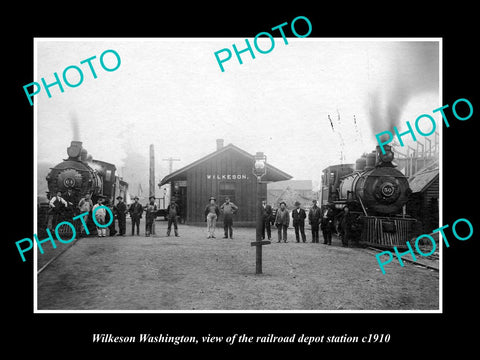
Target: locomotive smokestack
x: 74, y: 150
x: 384, y: 159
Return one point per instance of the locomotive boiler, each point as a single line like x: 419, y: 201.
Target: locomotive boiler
x: 377, y: 186
x: 82, y: 174
x: 376, y: 193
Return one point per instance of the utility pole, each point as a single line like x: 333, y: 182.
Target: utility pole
x: 151, y: 188
x: 170, y: 160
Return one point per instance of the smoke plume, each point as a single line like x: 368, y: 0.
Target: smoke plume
x: 75, y: 127
x: 412, y: 69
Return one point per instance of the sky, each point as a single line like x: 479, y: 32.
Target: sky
x: 171, y: 92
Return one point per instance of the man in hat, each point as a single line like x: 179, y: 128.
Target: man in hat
x: 314, y: 217
x: 327, y: 224
x: 282, y: 221
x: 172, y: 212
x: 120, y: 212
x: 71, y: 199
x: 228, y: 208
x: 57, y: 206
x: 136, y: 211
x: 212, y: 212
x: 100, y: 217
x: 86, y: 205
x: 345, y: 226
x: 266, y: 218
x: 298, y: 216
x: 111, y: 206
x: 151, y: 214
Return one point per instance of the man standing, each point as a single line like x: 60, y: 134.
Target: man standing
x: 111, y: 228
x: 327, y: 225
x: 172, y: 212
x: 298, y: 215
x: 314, y: 216
x: 282, y: 221
x: 345, y: 226
x: 211, y: 213
x: 100, y: 216
x: 136, y: 211
x: 266, y: 218
x: 121, y: 213
x: 71, y: 199
x: 57, y: 205
x: 228, y: 208
x: 151, y: 214
x: 85, y: 205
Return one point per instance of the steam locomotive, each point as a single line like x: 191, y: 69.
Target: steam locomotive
x: 376, y: 194
x: 77, y: 176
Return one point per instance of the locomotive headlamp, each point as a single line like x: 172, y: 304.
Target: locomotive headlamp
x: 259, y: 167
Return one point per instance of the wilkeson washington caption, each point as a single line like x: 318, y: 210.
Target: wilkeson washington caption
x: 270, y: 338
x: 109, y: 338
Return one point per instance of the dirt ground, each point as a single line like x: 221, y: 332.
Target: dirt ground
x: 192, y: 272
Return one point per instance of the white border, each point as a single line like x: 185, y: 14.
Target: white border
x: 35, y: 219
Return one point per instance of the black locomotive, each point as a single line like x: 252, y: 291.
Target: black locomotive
x: 75, y: 177
x: 376, y: 194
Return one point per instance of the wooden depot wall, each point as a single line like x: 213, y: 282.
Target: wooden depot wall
x: 217, y: 176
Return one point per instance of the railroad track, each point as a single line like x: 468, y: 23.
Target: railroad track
x: 431, y: 264
x: 58, y: 255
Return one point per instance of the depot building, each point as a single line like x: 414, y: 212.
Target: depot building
x: 227, y: 172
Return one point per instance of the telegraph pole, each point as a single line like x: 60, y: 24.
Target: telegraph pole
x: 170, y: 160
x: 151, y: 185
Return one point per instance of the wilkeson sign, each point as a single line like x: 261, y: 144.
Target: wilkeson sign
x: 227, y: 176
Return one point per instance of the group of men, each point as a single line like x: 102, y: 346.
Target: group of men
x: 213, y: 211
x: 62, y: 207
x: 151, y: 212
x: 317, y: 218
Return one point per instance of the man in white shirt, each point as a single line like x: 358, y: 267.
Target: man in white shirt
x: 100, y: 216
x: 57, y: 204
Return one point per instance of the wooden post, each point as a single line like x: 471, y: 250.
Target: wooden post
x: 258, y: 254
x: 259, y: 242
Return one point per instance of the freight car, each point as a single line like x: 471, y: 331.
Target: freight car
x: 376, y: 193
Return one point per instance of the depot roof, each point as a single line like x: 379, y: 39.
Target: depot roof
x: 273, y: 173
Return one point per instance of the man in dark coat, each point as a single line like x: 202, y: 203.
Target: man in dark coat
x: 266, y: 220
x: 314, y: 216
x: 345, y: 226
x: 228, y: 209
x: 298, y: 216
x: 151, y: 214
x: 120, y: 212
x: 327, y: 224
x: 111, y: 227
x: 71, y: 199
x: 173, y: 211
x: 136, y: 212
